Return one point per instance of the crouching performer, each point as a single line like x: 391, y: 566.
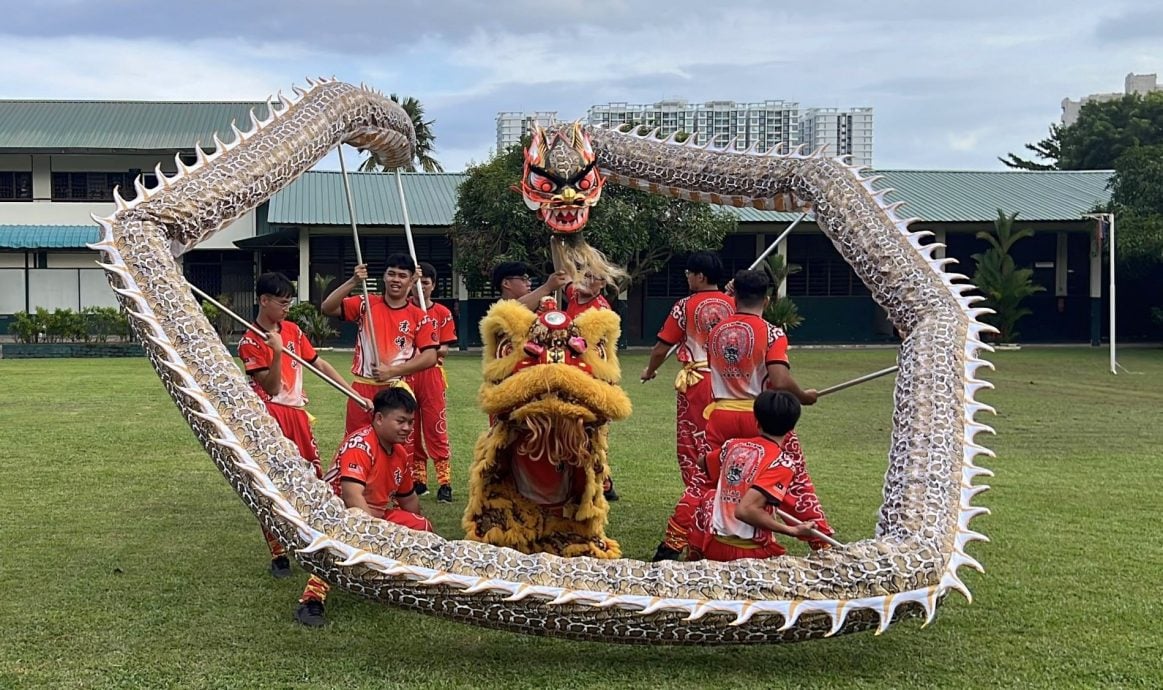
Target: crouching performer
x: 735, y: 519
x: 551, y: 389
x: 370, y: 472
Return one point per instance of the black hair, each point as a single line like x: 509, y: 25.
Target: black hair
x: 751, y: 287
x: 777, y: 412
x: 508, y: 269
x: 427, y: 270
x: 275, y: 284
x: 707, y: 263
x: 394, y: 398
x: 400, y: 260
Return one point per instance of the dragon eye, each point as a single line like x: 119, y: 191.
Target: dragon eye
x: 541, y: 183
x: 586, y: 182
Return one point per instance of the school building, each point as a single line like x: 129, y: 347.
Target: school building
x: 60, y: 160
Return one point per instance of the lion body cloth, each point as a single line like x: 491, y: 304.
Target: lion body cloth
x: 909, y: 565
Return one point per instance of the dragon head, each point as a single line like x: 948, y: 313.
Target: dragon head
x: 561, y: 181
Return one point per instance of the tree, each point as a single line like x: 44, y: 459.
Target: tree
x: 425, y: 139
x: 637, y: 230
x: 1003, y: 284
x: 1137, y: 200
x: 1104, y: 131
x: 1049, y: 149
x: 782, y: 310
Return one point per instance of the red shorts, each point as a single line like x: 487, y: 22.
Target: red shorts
x: 710, y: 548
x: 296, y: 425
x: 408, y: 519
x: 704, y: 544
x: 724, y: 425
x: 357, y: 417
x: 430, y: 433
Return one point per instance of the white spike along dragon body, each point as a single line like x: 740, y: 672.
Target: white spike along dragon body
x: 923, y: 528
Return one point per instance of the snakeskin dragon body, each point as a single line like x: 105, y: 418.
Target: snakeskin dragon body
x: 923, y: 527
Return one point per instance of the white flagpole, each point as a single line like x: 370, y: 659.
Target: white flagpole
x: 1111, y: 290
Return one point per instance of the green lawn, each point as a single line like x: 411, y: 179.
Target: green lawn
x: 127, y: 560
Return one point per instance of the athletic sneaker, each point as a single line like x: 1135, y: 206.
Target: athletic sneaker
x: 280, y: 567
x: 310, y: 613
x: 421, y: 488
x: 444, y: 494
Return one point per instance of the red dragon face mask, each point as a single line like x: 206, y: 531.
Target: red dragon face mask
x: 561, y: 181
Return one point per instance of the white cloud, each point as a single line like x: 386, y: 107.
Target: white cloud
x: 103, y: 68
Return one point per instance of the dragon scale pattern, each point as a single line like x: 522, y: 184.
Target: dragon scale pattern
x: 924, y: 522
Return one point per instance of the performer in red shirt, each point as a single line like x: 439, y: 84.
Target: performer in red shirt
x: 278, y: 379
x: 430, y: 438
x: 735, y: 519
x: 581, y: 298
x: 688, y: 326
x: 404, y: 335
x: 586, y: 296
x: 370, y: 472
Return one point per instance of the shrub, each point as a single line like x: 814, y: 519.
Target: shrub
x: 26, y: 327
x: 315, y: 324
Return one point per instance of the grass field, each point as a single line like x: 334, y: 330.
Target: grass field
x: 127, y: 561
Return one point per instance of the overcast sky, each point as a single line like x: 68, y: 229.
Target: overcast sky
x: 954, y: 85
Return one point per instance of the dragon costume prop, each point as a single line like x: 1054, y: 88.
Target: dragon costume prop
x: 908, y: 566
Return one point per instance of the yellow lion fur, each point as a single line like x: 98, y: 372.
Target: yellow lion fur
x: 497, y: 513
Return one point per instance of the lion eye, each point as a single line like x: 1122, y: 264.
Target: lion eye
x: 601, y: 349
x: 504, y: 347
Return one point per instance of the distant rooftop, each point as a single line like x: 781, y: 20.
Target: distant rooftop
x: 27, y: 126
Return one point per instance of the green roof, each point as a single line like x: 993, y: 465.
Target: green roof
x: 48, y: 236
x: 117, y: 125
x: 317, y: 198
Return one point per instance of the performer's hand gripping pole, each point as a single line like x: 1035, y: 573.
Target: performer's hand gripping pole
x: 815, y: 532
x: 258, y: 331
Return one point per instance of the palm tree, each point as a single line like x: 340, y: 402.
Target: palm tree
x: 998, y: 278
x: 425, y: 139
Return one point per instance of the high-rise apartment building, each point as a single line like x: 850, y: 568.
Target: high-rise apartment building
x: 512, y: 126
x: 764, y: 125
x: 843, y: 132
x: 1133, y: 83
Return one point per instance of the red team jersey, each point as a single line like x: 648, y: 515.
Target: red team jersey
x: 573, y: 308
x: 384, y: 475
x: 400, y: 333
x: 442, y: 323
x: 690, y: 322
x: 746, y: 463
x: 256, y: 356
x: 739, y: 349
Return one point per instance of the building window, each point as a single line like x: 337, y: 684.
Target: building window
x: 15, y: 186
x: 823, y: 273
x: 91, y: 186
